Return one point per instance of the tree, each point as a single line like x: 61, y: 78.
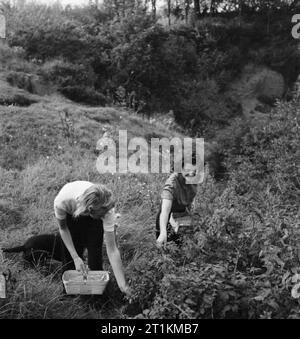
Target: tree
x: 21, y: 3
x: 123, y: 8
x: 153, y: 3
x: 169, y: 11
x: 197, y: 9
x: 187, y: 9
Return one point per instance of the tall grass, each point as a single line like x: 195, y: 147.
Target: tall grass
x: 37, y: 159
x: 240, y: 260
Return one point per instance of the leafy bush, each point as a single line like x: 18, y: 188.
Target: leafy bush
x: 17, y: 100
x: 7, y: 53
x: 75, y: 81
x: 184, y: 68
x: 83, y: 94
x: 29, y: 82
x: 12, y: 58
x: 64, y: 73
x: 202, y: 101
x: 241, y: 261
x: 45, y: 32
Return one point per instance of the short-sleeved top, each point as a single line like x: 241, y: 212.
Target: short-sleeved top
x: 179, y: 192
x: 66, y: 202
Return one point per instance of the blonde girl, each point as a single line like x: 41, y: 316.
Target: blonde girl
x: 84, y: 212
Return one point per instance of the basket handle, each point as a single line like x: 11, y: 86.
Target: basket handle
x: 84, y: 278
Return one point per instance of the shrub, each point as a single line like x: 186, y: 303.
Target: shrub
x: 200, y: 102
x: 63, y: 73
x: 17, y: 100
x: 75, y: 81
x: 83, y: 94
x: 45, y: 32
x: 241, y: 261
x: 183, y: 67
x: 12, y: 58
x: 29, y: 82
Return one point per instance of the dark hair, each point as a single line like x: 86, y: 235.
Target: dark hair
x: 214, y: 158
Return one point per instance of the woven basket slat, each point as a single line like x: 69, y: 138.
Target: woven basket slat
x: 95, y: 283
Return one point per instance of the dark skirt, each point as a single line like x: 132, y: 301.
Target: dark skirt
x: 86, y: 233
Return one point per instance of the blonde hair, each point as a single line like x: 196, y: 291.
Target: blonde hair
x: 97, y: 198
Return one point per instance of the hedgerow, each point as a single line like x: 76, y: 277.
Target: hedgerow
x: 241, y: 260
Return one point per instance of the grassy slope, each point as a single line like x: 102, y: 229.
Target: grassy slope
x: 259, y: 202
x: 40, y: 152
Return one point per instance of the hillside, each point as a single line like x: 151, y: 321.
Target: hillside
x: 44, y: 145
x: 242, y: 258
x: 209, y: 71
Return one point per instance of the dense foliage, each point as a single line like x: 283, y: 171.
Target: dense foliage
x: 134, y: 59
x: 242, y: 260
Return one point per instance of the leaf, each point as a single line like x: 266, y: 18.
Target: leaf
x: 274, y: 304
x: 190, y: 302
x: 296, y: 278
x: 296, y: 291
x: 146, y: 312
x: 226, y: 309
x: 265, y: 293
x: 285, y: 277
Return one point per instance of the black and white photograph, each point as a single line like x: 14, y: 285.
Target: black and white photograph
x: 149, y: 162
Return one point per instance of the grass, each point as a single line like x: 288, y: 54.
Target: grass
x: 254, y: 216
x: 41, y: 150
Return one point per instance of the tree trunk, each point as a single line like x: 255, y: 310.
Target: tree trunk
x: 153, y: 8
x: 187, y: 10
x: 212, y: 7
x: 197, y: 9
x: 240, y: 11
x: 169, y: 12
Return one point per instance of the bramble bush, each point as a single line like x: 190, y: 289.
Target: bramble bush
x: 242, y: 260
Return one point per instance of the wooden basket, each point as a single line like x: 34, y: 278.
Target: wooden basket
x: 186, y: 221
x: 94, y: 284
x: 2, y: 287
x: 183, y: 220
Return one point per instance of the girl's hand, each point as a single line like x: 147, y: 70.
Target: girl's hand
x: 174, y: 223
x: 126, y: 290
x: 161, y: 240
x: 191, y: 209
x: 81, y: 266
